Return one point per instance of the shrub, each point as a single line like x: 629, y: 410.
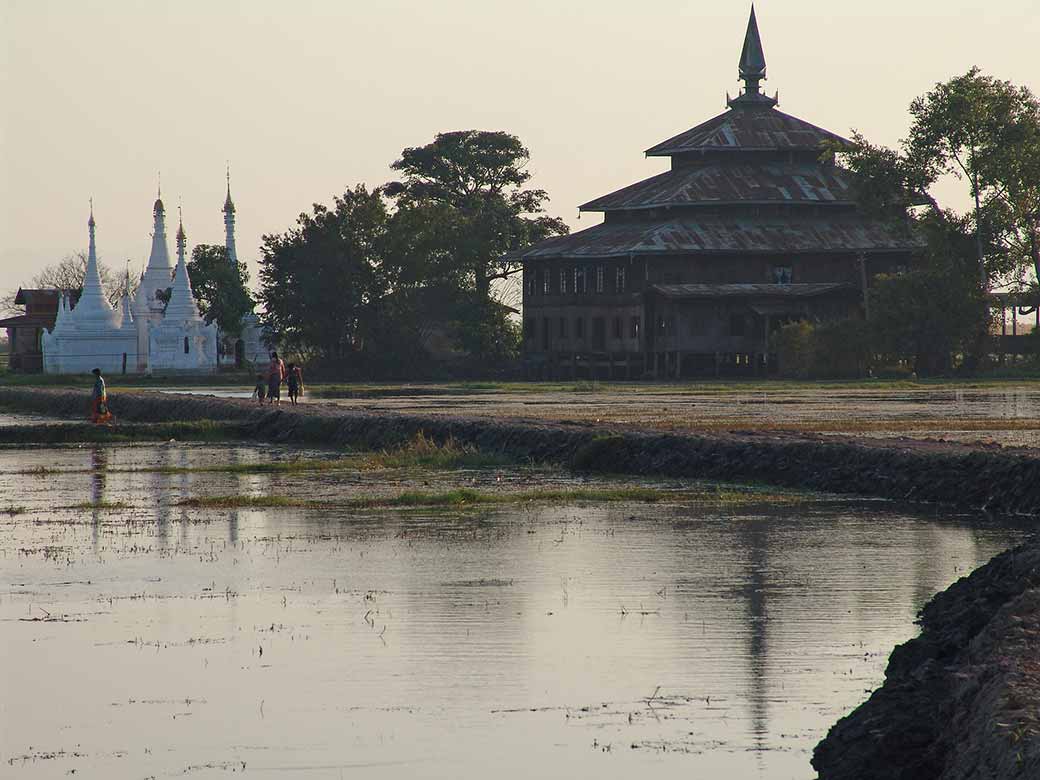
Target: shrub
x: 828, y: 350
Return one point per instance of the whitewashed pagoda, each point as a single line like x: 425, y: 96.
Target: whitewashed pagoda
x: 93, y: 334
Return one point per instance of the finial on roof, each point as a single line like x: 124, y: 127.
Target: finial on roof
x: 752, y: 67
x: 180, y: 226
x: 90, y: 222
x: 158, y: 207
x: 229, y: 205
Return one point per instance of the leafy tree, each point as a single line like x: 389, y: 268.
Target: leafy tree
x: 464, y: 195
x: 979, y: 129
x: 937, y: 309
x: 221, y: 289
x: 320, y: 279
x: 986, y: 131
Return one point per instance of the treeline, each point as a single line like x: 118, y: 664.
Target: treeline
x: 936, y: 317
x: 383, y: 279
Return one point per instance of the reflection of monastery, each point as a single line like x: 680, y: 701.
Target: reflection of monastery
x: 146, y: 333
x: 694, y: 270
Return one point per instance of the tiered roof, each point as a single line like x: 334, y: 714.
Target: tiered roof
x: 751, y: 180
x: 743, y: 182
x: 690, y: 234
x: 757, y: 127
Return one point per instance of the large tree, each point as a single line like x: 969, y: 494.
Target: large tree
x: 320, y: 279
x: 937, y: 309
x: 985, y: 131
x: 220, y: 288
x: 465, y: 200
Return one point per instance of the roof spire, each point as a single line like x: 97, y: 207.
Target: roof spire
x: 229, y: 206
x: 752, y: 68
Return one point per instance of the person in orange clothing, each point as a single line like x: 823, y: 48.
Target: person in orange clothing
x: 100, y: 414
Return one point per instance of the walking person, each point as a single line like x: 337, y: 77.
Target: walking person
x: 275, y: 377
x: 99, y: 411
x: 260, y: 391
x: 292, y: 382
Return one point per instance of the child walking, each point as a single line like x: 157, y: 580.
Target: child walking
x: 260, y: 391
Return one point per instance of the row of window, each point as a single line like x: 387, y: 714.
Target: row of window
x: 577, y: 279
x: 581, y: 279
x: 563, y: 328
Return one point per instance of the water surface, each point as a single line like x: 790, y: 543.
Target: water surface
x: 613, y: 641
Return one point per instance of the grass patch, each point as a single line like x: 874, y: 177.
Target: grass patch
x: 466, y: 497
x: 423, y: 452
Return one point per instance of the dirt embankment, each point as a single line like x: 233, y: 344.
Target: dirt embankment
x: 993, y: 479
x: 959, y: 702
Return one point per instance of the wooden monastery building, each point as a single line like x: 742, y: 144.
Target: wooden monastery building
x: 693, y: 271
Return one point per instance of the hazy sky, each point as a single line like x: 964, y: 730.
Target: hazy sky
x: 308, y: 97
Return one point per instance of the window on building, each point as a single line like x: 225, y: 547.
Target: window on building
x: 634, y: 331
x: 564, y: 273
x: 579, y: 280
x: 185, y: 345
x: 545, y: 334
x: 618, y: 329
x: 782, y: 274
x: 563, y: 327
x: 737, y: 323
x: 661, y: 325
x: 600, y: 273
x: 529, y: 286
x: 545, y: 282
x: 599, y: 333
x: 619, y: 279
x: 529, y: 328
x: 579, y: 327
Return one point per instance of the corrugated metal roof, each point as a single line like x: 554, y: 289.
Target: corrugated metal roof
x: 747, y: 128
x: 743, y: 182
x: 719, y: 234
x: 747, y: 290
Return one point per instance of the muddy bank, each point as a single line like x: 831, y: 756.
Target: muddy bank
x: 992, y: 479
x: 959, y: 702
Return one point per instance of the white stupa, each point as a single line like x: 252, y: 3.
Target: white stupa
x: 181, y: 340
x: 91, y: 334
x: 149, y: 331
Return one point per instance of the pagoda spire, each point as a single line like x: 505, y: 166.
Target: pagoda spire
x: 229, y: 224
x: 92, y: 302
x: 182, y: 305
x: 752, y: 68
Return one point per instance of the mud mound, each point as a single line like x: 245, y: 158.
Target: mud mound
x: 997, y: 480
x: 960, y: 701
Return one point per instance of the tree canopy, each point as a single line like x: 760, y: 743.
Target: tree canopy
x: 383, y: 274
x: 318, y: 279
x: 220, y: 288
x: 984, y: 131
x: 464, y: 199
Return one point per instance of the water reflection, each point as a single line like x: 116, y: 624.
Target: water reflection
x: 562, y: 641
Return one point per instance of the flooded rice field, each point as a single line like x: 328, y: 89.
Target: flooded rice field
x: 1004, y: 415
x: 144, y: 636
